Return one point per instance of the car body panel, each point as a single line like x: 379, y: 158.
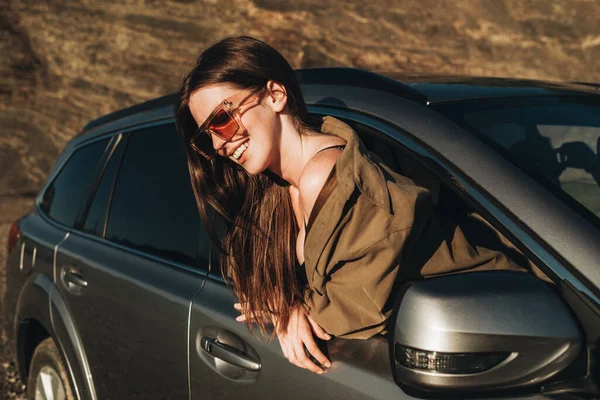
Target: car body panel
x: 29, y: 268
x: 361, y: 368
x: 69, y: 341
x: 148, y: 335
x: 32, y: 305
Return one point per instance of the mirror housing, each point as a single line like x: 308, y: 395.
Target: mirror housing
x: 481, y: 331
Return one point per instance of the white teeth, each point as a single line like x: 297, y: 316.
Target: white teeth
x: 239, y: 151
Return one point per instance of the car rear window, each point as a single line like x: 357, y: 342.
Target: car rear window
x: 556, y: 140
x: 62, y: 200
x: 153, y: 208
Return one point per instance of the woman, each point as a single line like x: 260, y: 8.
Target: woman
x: 318, y: 228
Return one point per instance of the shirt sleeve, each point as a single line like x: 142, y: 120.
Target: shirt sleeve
x: 353, y: 300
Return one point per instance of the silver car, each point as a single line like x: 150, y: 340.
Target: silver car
x: 114, y: 290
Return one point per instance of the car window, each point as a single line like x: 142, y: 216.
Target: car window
x: 96, y: 216
x: 63, y: 198
x: 556, y: 140
x: 153, y: 208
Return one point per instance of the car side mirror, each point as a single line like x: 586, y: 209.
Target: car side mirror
x: 480, y: 332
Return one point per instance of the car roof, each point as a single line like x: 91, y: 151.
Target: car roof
x: 458, y: 88
x: 424, y: 89
x: 312, y: 76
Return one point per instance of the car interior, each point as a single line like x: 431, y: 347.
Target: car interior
x: 446, y: 193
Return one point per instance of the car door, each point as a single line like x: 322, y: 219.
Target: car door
x: 131, y: 269
x: 228, y: 361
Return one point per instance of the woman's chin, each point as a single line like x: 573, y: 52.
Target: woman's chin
x: 252, y: 170
x: 252, y: 162
x: 248, y: 167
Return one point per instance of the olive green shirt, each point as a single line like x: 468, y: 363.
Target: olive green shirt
x: 372, y: 228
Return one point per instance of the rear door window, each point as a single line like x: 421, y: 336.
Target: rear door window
x: 63, y: 199
x: 95, y: 222
x: 153, y: 208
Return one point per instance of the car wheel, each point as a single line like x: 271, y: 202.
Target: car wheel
x: 48, y: 377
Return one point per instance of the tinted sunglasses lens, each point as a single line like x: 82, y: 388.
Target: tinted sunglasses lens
x: 203, y: 144
x: 223, y: 125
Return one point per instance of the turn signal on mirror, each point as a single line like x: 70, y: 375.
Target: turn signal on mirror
x: 448, y: 363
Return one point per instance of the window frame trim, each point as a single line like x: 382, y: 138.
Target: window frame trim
x: 85, y: 208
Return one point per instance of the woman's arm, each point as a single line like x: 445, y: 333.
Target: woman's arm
x: 351, y: 286
x: 353, y: 299
x: 299, y: 332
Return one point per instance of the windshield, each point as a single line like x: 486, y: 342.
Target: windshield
x: 556, y: 140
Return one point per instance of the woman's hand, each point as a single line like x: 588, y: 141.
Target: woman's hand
x: 251, y: 318
x: 297, y: 335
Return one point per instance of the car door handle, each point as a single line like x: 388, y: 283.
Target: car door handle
x: 228, y: 353
x: 75, y: 279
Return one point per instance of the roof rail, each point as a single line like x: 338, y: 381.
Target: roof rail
x: 169, y: 99
x: 330, y: 76
x: 357, y: 78
x: 593, y: 84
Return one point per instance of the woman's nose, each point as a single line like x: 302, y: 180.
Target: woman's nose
x: 217, y: 142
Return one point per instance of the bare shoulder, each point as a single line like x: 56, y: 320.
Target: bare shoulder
x: 314, y: 175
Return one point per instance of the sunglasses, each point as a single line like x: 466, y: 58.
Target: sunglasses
x: 224, y: 122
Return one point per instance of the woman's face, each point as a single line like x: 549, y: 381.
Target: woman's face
x: 254, y: 146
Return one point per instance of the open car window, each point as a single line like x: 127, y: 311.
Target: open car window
x: 446, y: 196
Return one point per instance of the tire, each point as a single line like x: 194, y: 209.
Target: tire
x: 47, y: 372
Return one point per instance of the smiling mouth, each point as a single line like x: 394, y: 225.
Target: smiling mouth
x: 239, y: 151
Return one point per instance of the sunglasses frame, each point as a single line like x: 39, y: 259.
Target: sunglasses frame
x: 234, y: 113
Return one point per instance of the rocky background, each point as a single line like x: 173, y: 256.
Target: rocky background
x: 65, y: 62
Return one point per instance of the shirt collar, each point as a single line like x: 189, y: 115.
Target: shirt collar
x: 356, y: 167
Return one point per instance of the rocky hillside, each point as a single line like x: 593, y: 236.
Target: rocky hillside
x: 64, y: 62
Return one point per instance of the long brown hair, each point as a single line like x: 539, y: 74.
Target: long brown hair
x: 258, y: 249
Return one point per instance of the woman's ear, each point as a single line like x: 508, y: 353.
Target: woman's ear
x: 276, y: 96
